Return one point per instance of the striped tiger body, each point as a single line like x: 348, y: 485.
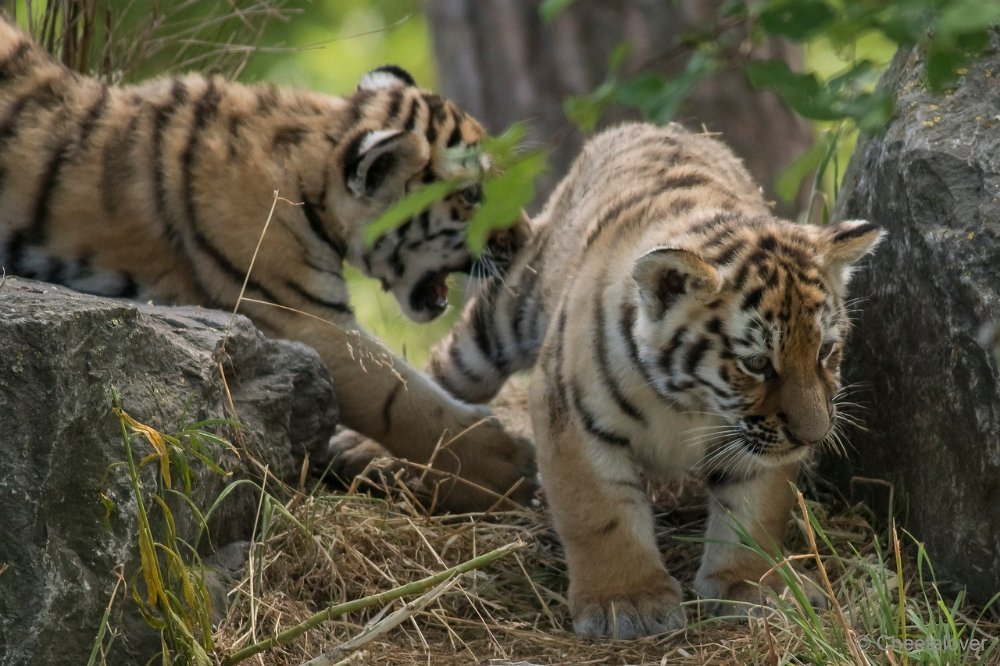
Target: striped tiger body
x: 161, y: 190
x: 675, y: 326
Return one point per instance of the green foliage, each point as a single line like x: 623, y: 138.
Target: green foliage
x: 551, y: 8
x: 176, y: 602
x: 508, y: 185
x: 586, y: 110
x: 412, y: 204
x: 841, y: 97
x: 951, y: 31
x: 335, y: 43
x: 657, y: 97
x: 875, y: 615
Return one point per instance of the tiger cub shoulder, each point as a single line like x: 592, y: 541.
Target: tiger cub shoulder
x: 161, y: 190
x: 675, y: 326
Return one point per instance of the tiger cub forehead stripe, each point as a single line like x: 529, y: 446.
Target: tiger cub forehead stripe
x: 693, y: 334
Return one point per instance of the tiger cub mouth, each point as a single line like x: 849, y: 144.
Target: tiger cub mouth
x: 430, y: 293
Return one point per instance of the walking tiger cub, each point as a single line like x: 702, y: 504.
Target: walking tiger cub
x: 160, y: 191
x: 675, y: 326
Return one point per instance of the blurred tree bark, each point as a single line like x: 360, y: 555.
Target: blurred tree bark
x: 504, y: 63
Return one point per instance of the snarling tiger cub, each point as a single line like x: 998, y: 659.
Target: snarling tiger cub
x: 678, y: 327
x: 160, y: 191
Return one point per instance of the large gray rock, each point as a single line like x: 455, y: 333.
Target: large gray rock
x: 61, y: 353
x: 931, y: 393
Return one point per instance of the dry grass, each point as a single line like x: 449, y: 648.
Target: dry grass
x: 330, y: 549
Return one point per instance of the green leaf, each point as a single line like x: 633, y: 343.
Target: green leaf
x: 802, y: 92
x: 506, y: 190
x: 505, y: 147
x: 796, y: 19
x: 870, y: 111
x: 843, y: 96
x: 617, y: 58
x: 551, y: 8
x: 734, y: 9
x: 410, y: 205
x: 963, y: 17
x: 942, y: 63
x: 504, y: 197
x: 585, y: 111
x: 639, y: 90
x: 861, y: 75
x: 905, y: 23
x: 664, y: 108
x: 659, y: 98
x: 509, y: 189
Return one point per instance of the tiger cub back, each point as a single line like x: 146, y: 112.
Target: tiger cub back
x: 161, y: 189
x: 675, y: 327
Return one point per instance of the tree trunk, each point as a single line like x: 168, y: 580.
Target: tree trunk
x: 504, y: 63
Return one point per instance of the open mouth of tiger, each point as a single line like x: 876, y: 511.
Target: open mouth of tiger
x: 430, y: 294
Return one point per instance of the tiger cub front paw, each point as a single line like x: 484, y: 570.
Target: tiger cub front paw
x: 630, y: 613
x: 721, y: 596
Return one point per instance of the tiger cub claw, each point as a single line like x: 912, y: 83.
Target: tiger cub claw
x: 363, y: 464
x: 629, y: 616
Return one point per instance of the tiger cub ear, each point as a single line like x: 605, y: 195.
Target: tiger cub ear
x: 667, y: 273
x: 846, y: 242
x: 386, y: 77
x: 380, y: 163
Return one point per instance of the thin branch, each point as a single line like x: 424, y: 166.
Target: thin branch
x: 372, y: 600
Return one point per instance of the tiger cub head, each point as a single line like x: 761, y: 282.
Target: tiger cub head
x: 751, y: 327
x: 409, y: 137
